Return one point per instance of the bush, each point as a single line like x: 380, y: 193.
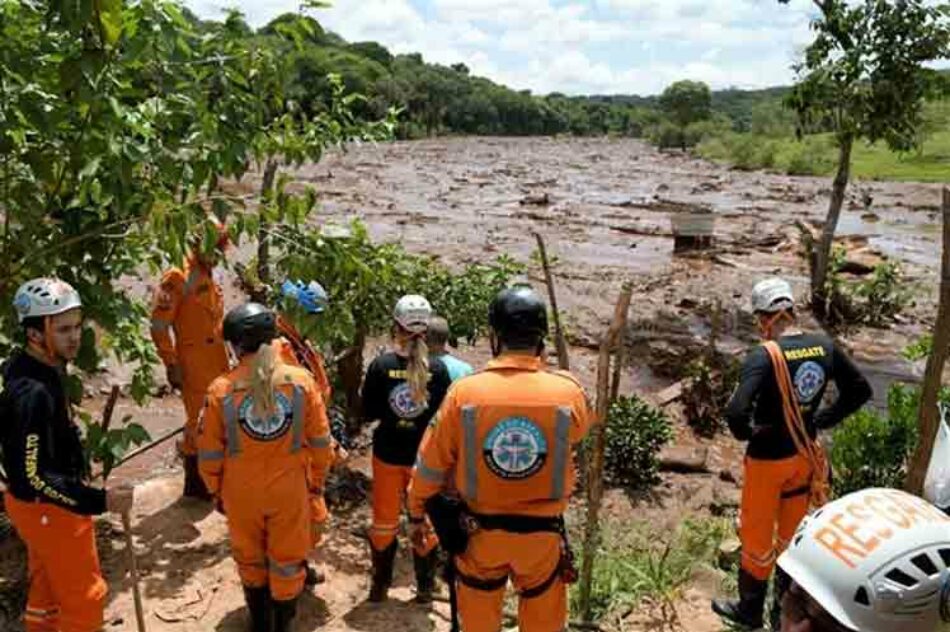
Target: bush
x: 635, y: 434
x: 706, y: 395
x: 884, y: 295
x: 667, y: 135
x: 869, y: 450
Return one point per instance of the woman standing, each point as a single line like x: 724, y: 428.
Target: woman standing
x: 264, y: 452
x: 403, y: 390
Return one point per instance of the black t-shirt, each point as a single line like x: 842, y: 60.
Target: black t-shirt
x: 755, y: 412
x: 386, y: 397
x: 42, y: 451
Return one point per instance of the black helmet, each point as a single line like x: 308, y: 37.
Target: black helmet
x: 519, y: 317
x: 249, y: 326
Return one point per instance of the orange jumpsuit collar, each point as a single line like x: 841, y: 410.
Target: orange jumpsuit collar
x: 519, y: 362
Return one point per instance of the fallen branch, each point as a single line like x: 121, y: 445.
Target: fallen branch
x: 145, y: 448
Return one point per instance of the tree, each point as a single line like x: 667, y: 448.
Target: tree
x: 686, y: 102
x: 864, y: 76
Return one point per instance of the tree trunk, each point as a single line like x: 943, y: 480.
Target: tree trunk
x: 929, y: 416
x: 351, y: 375
x: 595, y: 470
x: 263, y: 236
x: 563, y: 359
x: 822, y: 257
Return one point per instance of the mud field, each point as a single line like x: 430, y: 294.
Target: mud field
x: 604, y: 208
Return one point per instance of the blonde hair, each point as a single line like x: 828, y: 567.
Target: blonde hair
x: 264, y: 382
x: 417, y: 371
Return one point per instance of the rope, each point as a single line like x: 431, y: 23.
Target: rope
x: 820, y: 489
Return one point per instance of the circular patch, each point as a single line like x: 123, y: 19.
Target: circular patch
x: 271, y: 428
x: 401, y: 402
x: 22, y: 304
x: 809, y: 380
x: 515, y: 448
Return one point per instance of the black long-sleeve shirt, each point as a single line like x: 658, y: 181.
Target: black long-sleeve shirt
x: 386, y: 397
x: 755, y: 412
x: 41, y: 447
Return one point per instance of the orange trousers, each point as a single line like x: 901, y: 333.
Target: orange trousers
x: 528, y: 559
x: 67, y: 591
x: 270, y: 538
x: 194, y: 400
x: 390, y: 483
x: 319, y: 517
x: 774, y: 502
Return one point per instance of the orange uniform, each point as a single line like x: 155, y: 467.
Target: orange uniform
x: 190, y: 304
x: 503, y: 439
x: 267, y: 474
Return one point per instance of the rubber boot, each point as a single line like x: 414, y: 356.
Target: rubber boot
x: 425, y: 575
x: 382, y: 572
x: 259, y: 607
x: 780, y: 585
x: 746, y: 613
x: 284, y: 614
x: 194, y: 486
x: 313, y: 577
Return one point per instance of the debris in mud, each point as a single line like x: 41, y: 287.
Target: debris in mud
x: 871, y: 217
x: 684, y: 459
x: 536, y: 199
x: 692, y: 230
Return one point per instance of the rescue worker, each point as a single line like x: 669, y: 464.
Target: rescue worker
x: 779, y: 477
x: 264, y: 451
x: 503, y: 440
x: 437, y: 338
x: 295, y: 349
x: 403, y: 390
x: 48, y: 498
x: 877, y: 560
x: 189, y: 303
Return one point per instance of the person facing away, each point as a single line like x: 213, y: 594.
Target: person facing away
x: 503, y: 439
x: 779, y: 477
x: 438, y: 338
x: 264, y: 452
x: 877, y: 560
x: 48, y: 498
x: 403, y: 389
x: 187, y: 315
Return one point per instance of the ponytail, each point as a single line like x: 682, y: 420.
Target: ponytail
x: 417, y: 371
x: 262, y: 382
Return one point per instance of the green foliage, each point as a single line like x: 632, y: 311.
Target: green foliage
x: 686, y: 102
x: 712, y: 381
x: 873, y: 301
x: 921, y: 348
x: 106, y: 448
x: 869, y: 450
x: 636, y: 432
x: 635, y: 564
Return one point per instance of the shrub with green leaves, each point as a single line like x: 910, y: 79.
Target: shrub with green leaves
x: 636, y: 432
x: 871, y: 450
x: 107, y: 447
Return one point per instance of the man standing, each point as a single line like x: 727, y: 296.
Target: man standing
x: 189, y: 303
x: 48, y: 500
x: 437, y: 338
x: 779, y: 469
x: 503, y: 439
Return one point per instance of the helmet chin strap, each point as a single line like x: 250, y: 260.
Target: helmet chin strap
x: 766, y: 330
x: 45, y: 350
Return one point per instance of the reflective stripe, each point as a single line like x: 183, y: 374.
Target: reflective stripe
x: 319, y: 442
x: 210, y: 455
x: 430, y: 474
x: 160, y: 324
x: 562, y: 447
x: 231, y: 425
x: 384, y: 530
x: 469, y: 439
x: 297, y: 431
x: 190, y: 282
x: 285, y: 570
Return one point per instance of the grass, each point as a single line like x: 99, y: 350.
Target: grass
x: 817, y: 155
x: 634, y: 566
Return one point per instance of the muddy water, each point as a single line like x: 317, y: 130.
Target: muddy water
x: 604, y: 208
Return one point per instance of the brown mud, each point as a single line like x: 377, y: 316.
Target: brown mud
x: 605, y: 209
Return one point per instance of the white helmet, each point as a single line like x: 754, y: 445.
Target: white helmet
x: 413, y: 312
x: 772, y: 295
x: 876, y: 560
x: 45, y: 297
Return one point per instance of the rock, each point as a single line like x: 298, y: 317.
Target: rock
x: 725, y: 500
x: 871, y: 217
x: 730, y: 553
x: 728, y: 476
x: 689, y: 460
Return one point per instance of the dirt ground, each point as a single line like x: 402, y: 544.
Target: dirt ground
x: 604, y: 208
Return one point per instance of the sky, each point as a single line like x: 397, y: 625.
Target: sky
x: 574, y: 46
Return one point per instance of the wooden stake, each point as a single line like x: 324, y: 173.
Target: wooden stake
x: 595, y: 470
x: 110, y: 408
x: 563, y: 360
x: 133, y: 572
x: 929, y: 415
